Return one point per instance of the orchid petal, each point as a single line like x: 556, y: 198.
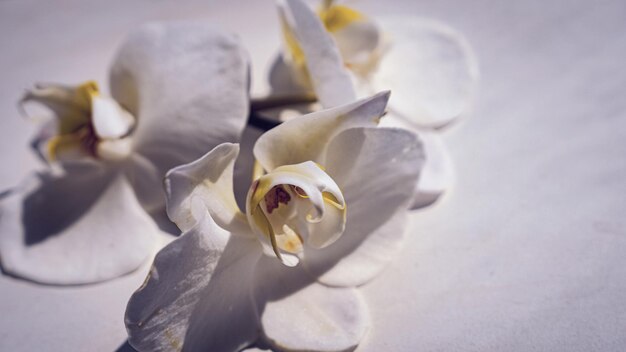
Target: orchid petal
x: 210, y: 180
x: 331, y: 82
x: 431, y: 70
x: 146, y: 181
x: 437, y: 176
x: 438, y: 173
x: 297, y: 315
x: 195, y: 296
x: 358, y: 38
x: 306, y: 138
x: 71, y: 105
x: 377, y: 170
x: 84, y: 227
x: 187, y: 84
x: 318, y: 318
x: 110, y: 120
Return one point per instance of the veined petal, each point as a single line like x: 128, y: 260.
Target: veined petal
x: 187, y: 84
x: 307, y: 137
x: 431, y: 70
x: 377, y: 170
x: 210, y: 181
x: 197, y: 294
x: 437, y: 176
x: 110, y: 120
x: 331, y: 82
x: 297, y: 315
x: 84, y: 227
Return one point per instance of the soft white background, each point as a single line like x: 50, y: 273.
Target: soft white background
x: 526, y: 253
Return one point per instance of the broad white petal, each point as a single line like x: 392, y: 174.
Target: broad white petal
x: 331, y: 81
x: 146, y: 181
x: 306, y: 138
x: 110, y: 120
x: 437, y: 176
x: 81, y: 228
x: 438, y: 173
x: 298, y: 315
x: 187, y: 84
x: 377, y: 169
x: 197, y: 294
x: 209, y: 180
x: 366, y: 255
x: 430, y: 68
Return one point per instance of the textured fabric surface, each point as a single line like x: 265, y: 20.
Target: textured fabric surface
x: 524, y: 253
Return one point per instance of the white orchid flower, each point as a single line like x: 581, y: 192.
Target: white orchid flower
x: 327, y: 216
x: 430, y: 67
x: 312, y: 50
x: 177, y: 90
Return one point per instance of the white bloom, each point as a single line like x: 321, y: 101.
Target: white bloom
x: 437, y: 72
x: 430, y: 67
x: 333, y: 201
x: 177, y: 90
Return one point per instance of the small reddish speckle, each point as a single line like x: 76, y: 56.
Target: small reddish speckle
x: 274, y: 197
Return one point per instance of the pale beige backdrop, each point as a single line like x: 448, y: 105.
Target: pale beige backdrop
x: 526, y: 253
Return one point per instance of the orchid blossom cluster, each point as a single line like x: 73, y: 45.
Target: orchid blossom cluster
x: 326, y: 205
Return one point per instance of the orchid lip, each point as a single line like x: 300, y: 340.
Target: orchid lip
x: 88, y: 123
x: 294, y: 206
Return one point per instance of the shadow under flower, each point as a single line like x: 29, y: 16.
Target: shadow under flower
x: 52, y: 207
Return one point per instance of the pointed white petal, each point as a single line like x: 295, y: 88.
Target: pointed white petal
x: 306, y: 138
x: 197, y: 294
x: 431, y: 70
x: 187, y: 84
x: 297, y: 315
x: 110, y: 120
x: 210, y: 181
x: 81, y: 228
x: 331, y: 82
x: 437, y: 176
x: 377, y: 170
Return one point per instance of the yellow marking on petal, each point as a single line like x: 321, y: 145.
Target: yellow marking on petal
x: 262, y: 187
x: 332, y: 200
x: 81, y: 99
x: 174, y: 342
x: 290, y: 241
x: 257, y: 170
x: 338, y: 17
x: 60, y: 143
x: 261, y: 216
x: 294, y: 49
